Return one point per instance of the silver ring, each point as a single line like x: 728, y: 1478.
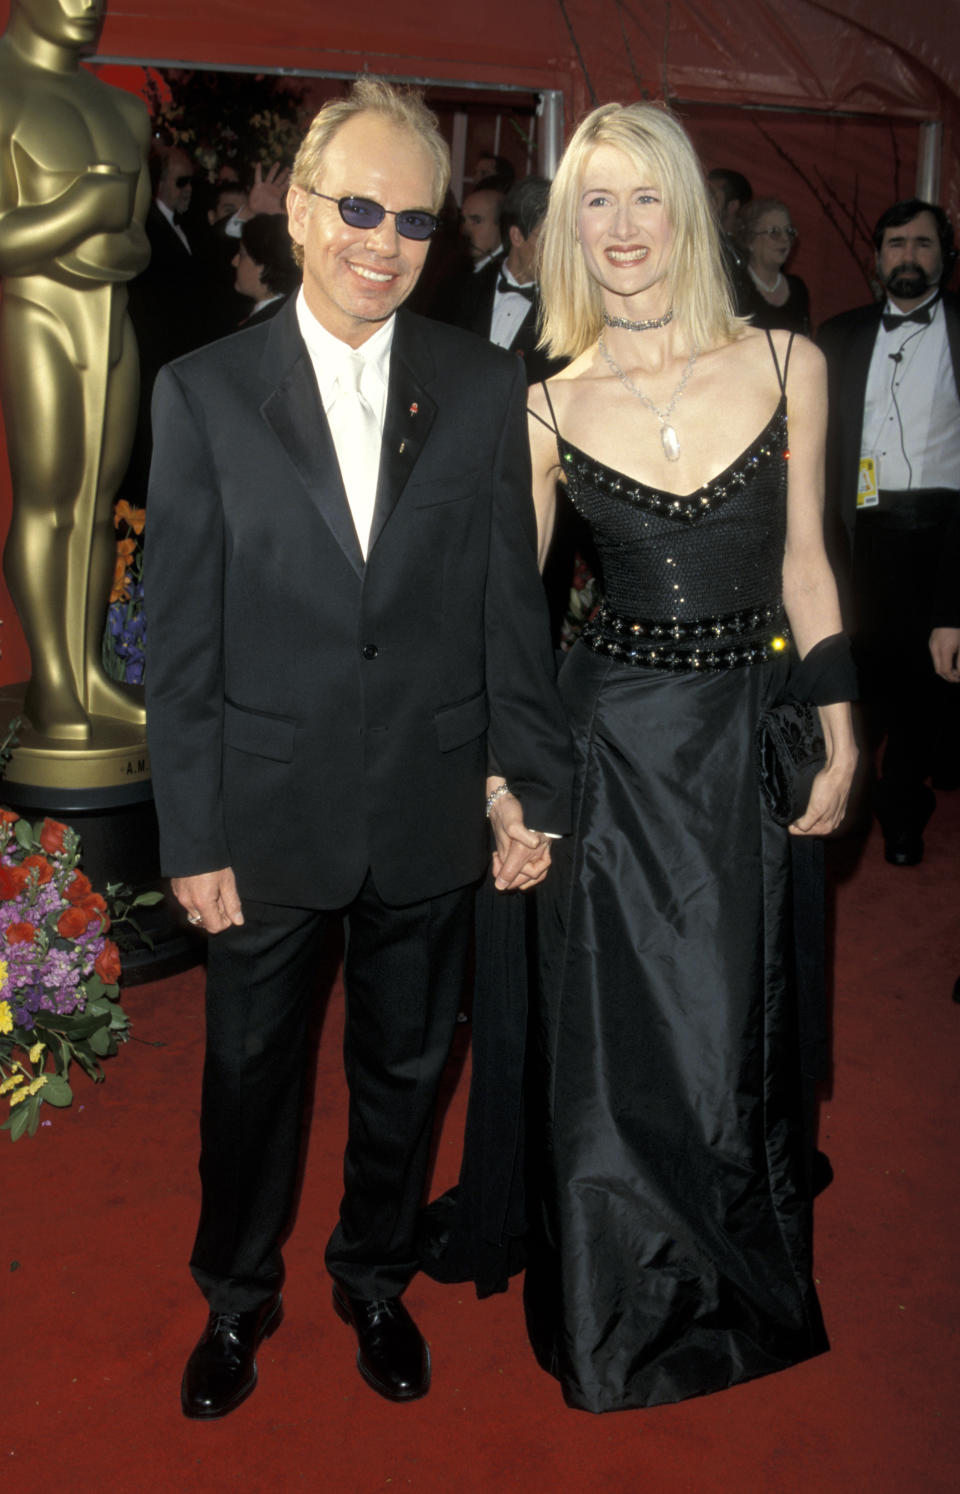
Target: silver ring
x: 195, y: 918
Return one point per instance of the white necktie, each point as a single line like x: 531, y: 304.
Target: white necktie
x: 357, y: 437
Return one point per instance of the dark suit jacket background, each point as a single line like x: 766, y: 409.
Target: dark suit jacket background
x: 475, y: 312
x: 310, y: 716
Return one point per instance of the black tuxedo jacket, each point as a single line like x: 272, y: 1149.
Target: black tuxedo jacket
x: 847, y: 342
x: 311, y: 716
x: 476, y: 314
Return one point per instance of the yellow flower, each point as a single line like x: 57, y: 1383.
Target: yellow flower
x: 11, y: 1083
x: 35, y: 1051
x: 21, y: 1094
x: 31, y: 1089
x: 6, y: 1015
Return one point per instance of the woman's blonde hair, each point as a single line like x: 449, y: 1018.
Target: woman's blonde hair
x: 699, y: 289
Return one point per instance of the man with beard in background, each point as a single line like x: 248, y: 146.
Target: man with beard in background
x: 893, y: 478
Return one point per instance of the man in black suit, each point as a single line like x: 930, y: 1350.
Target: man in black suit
x: 502, y: 302
x: 893, y: 485
x: 347, y: 629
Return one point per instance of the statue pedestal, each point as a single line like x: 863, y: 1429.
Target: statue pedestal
x: 102, y: 789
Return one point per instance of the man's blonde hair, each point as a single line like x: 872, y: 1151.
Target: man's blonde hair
x: 661, y: 150
x: 404, y: 108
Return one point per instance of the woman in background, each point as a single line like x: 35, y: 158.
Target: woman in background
x: 779, y: 298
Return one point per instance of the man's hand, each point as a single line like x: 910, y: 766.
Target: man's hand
x: 945, y: 653
x: 522, y: 857
x: 210, y: 899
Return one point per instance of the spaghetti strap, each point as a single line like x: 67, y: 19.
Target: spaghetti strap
x: 781, y: 377
x: 553, y: 416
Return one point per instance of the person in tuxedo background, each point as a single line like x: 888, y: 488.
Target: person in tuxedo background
x: 893, y: 479
x: 502, y: 302
x: 334, y: 673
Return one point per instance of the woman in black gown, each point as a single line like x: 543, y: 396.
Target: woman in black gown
x: 671, y: 1251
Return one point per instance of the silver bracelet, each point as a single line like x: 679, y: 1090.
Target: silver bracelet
x: 498, y: 793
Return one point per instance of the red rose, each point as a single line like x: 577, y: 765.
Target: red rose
x: 43, y: 868
x: 72, y: 923
x: 78, y: 888
x: 8, y: 816
x: 95, y: 907
x: 51, y: 836
x: 13, y: 879
x: 107, y: 964
x: 20, y: 933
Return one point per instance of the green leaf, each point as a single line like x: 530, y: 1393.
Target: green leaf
x: 56, y: 1091
x: 147, y: 899
x: 102, y: 1043
x: 94, y: 988
x: 79, y: 1025
x: 89, y: 1064
x: 19, y: 1120
x: 23, y: 830
x: 34, y: 1103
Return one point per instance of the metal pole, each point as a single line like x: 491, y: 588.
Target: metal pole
x: 550, y: 143
x: 928, y: 162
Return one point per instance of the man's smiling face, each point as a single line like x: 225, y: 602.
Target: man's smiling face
x: 355, y: 278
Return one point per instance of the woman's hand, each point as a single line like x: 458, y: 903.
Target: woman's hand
x: 828, y: 799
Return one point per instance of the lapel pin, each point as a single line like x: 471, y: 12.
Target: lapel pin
x: 414, y: 408
x: 403, y: 447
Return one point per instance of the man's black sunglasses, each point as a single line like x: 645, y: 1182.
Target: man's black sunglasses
x: 360, y: 212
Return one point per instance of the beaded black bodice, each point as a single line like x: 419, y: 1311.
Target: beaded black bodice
x: 683, y: 559
x: 690, y: 582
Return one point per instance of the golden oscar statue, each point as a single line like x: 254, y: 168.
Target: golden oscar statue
x: 74, y: 193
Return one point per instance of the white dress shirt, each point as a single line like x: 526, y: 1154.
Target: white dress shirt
x: 509, y: 311
x: 357, y: 435
x: 911, y: 413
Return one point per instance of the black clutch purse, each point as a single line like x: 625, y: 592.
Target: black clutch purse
x: 791, y: 751
x: 789, y: 739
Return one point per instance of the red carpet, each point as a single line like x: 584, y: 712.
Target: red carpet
x: 99, y: 1311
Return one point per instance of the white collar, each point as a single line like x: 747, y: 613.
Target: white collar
x: 329, y: 354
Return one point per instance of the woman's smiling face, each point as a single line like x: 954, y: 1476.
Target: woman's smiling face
x: 623, y: 226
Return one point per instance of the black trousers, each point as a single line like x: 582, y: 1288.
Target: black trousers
x: 404, y: 974
x: 895, y: 565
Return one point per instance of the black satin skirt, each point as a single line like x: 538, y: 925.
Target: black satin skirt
x: 670, y: 1242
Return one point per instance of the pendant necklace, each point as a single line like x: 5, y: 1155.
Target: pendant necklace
x: 628, y: 326
x: 669, y: 439
x: 762, y: 284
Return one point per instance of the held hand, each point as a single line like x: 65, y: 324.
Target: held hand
x: 210, y: 899
x: 522, y: 857
x: 828, y: 800
x: 945, y: 653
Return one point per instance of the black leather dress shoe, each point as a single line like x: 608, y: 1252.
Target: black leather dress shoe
x: 904, y: 849
x: 392, y: 1356
x: 222, y: 1370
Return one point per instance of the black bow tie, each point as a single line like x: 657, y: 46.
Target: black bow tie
x: 921, y: 314
x: 507, y: 287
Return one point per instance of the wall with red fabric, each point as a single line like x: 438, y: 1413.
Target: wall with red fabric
x: 819, y: 102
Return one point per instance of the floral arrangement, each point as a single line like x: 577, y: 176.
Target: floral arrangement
x: 58, y: 970
x: 125, y: 637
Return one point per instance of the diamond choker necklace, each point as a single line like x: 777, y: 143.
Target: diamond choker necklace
x: 628, y: 326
